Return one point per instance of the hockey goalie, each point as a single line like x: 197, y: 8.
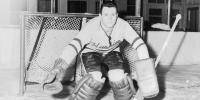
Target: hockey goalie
x: 98, y: 44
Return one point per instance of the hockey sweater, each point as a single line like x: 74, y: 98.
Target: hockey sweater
x: 92, y: 38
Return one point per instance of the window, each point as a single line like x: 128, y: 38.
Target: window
x: 160, y: 1
x: 156, y: 1
x: 131, y: 2
x: 77, y: 6
x: 155, y: 15
x: 174, y: 12
x: 192, y: 19
x: 45, y: 6
x: 152, y: 1
x: 176, y: 1
x: 131, y: 7
x: 155, y: 12
x: 97, y: 7
x: 154, y: 20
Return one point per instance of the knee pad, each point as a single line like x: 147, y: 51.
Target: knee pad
x: 146, y: 78
x: 116, y: 74
x: 123, y: 89
x: 87, y: 89
x: 96, y: 75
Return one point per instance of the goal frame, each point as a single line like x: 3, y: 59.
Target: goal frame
x: 22, y: 85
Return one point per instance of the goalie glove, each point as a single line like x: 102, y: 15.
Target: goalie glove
x: 52, y: 82
x: 58, y: 71
x: 56, y: 74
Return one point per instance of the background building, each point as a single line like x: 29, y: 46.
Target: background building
x: 78, y: 6
x: 153, y: 11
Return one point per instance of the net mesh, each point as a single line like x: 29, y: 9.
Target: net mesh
x: 129, y: 52
x: 45, y: 37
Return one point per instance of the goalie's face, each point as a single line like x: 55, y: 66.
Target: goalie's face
x: 109, y: 16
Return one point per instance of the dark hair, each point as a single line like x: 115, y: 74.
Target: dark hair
x: 108, y: 4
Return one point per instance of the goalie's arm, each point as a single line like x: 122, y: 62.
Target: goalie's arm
x: 133, y: 38
x: 75, y: 46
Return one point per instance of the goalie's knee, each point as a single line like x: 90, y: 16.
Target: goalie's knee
x: 123, y: 89
x: 116, y: 74
x: 87, y: 88
x: 97, y: 75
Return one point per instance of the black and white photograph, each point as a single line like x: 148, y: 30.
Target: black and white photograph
x: 100, y: 50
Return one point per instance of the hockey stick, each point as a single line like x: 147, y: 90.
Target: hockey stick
x: 178, y: 17
x: 37, y: 41
x: 138, y: 95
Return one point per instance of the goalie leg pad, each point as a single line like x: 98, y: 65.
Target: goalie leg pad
x: 146, y: 77
x: 87, y: 89
x: 123, y: 89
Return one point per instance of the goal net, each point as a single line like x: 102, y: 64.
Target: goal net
x: 44, y: 36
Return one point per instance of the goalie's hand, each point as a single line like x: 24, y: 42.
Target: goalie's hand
x: 49, y: 78
x: 57, y: 74
x: 52, y: 82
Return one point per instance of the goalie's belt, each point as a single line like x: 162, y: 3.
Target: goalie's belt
x: 103, y: 50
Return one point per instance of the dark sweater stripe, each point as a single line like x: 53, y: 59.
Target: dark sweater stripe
x: 79, y: 41
x: 74, y: 48
x: 139, y: 45
x: 137, y: 38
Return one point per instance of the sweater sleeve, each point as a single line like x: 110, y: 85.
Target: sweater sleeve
x: 136, y: 42
x: 76, y: 45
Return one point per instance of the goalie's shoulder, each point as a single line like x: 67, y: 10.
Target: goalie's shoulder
x: 93, y: 22
x: 91, y: 26
x: 122, y: 21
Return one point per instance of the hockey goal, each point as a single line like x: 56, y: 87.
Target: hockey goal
x: 43, y: 37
